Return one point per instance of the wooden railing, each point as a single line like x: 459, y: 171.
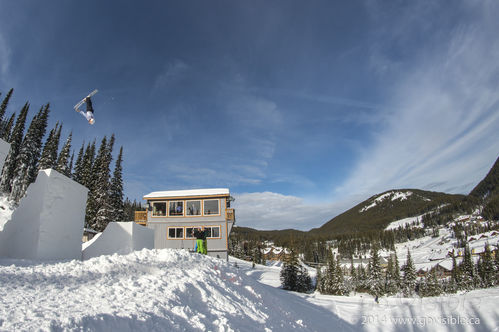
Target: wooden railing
x: 229, y: 215
x: 140, y: 217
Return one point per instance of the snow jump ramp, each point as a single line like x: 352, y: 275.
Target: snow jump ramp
x: 119, y: 238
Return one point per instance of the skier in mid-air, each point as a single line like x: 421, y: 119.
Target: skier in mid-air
x: 89, y: 113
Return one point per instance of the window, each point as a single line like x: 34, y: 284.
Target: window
x: 211, y: 206
x: 212, y: 232
x: 175, y: 232
x: 176, y: 208
x: 159, y: 209
x: 193, y: 208
x: 189, y: 232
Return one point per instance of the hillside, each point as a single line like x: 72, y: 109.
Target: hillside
x: 488, y: 192
x: 378, y: 211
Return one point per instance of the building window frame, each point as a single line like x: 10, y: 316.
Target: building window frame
x: 153, y: 209
x: 176, y: 206
x: 218, y: 207
x: 176, y: 234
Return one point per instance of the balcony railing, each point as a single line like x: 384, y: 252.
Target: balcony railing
x: 140, y: 217
x: 229, y: 215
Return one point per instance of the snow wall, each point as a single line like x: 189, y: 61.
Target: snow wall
x: 120, y: 238
x: 4, y: 150
x: 48, y: 223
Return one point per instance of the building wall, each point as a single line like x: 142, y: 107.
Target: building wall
x: 217, y: 247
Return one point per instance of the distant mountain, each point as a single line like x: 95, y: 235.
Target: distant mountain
x: 378, y: 211
x: 487, y: 191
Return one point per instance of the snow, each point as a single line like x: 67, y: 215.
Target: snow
x: 186, y: 193
x: 41, y: 227
x: 119, y: 237
x: 395, y: 195
x: 406, y: 221
x: 168, y: 289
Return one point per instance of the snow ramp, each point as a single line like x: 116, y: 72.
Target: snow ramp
x: 119, y: 238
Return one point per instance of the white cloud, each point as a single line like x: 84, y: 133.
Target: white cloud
x: 269, y: 211
x: 445, y: 129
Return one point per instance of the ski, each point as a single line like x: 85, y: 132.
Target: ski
x: 77, y: 106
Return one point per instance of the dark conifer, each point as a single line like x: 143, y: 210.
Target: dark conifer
x: 15, y: 146
x: 409, y: 275
x: 116, y: 191
x: 27, y: 159
x: 62, y: 164
x: 6, y: 130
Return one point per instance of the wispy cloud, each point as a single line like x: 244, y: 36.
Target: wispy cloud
x: 445, y: 128
x: 5, y: 54
x: 172, y: 72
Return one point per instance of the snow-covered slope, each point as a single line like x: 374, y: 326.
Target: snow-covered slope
x: 149, y: 290
x: 174, y: 290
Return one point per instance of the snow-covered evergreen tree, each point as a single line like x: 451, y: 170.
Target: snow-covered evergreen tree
x: 116, y: 194
x: 467, y: 269
x: 488, y: 268
x: 6, y: 131
x: 29, y: 154
x: 98, y: 203
x: 62, y: 164
x: 289, y: 272
x: 3, y: 108
x: 375, y: 278
x: 16, y: 139
x: 430, y: 285
x: 410, y: 276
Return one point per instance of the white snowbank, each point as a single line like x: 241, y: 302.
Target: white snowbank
x: 174, y: 290
x: 121, y: 238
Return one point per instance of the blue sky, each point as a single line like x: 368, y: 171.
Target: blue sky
x: 301, y: 108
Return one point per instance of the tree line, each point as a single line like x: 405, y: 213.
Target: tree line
x: 30, y: 151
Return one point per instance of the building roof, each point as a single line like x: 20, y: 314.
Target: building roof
x: 188, y: 193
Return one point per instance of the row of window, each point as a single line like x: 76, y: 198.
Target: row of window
x: 206, y: 207
x: 179, y: 233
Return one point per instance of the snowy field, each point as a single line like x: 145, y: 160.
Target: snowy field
x: 165, y: 290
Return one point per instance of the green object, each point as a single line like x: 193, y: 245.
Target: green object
x: 202, y: 247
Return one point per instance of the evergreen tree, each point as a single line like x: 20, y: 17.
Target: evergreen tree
x: 353, y: 276
x: 16, y: 139
x: 3, y: 108
x: 50, y: 149
x: 431, y: 285
x: 396, y: 273
x: 62, y: 164
x: 116, y: 194
x: 6, y: 132
x: 409, y: 275
x: 303, y: 281
x: 319, y: 282
x: 289, y: 272
x: 78, y: 166
x: 70, y: 165
x: 98, y: 204
x: 455, y: 281
x: 467, y: 268
x: 375, y: 279
x: 27, y: 159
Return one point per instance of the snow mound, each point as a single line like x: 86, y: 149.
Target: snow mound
x: 149, y: 290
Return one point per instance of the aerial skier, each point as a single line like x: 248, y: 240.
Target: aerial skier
x: 89, y: 113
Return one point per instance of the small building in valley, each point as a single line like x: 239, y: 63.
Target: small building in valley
x: 173, y: 215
